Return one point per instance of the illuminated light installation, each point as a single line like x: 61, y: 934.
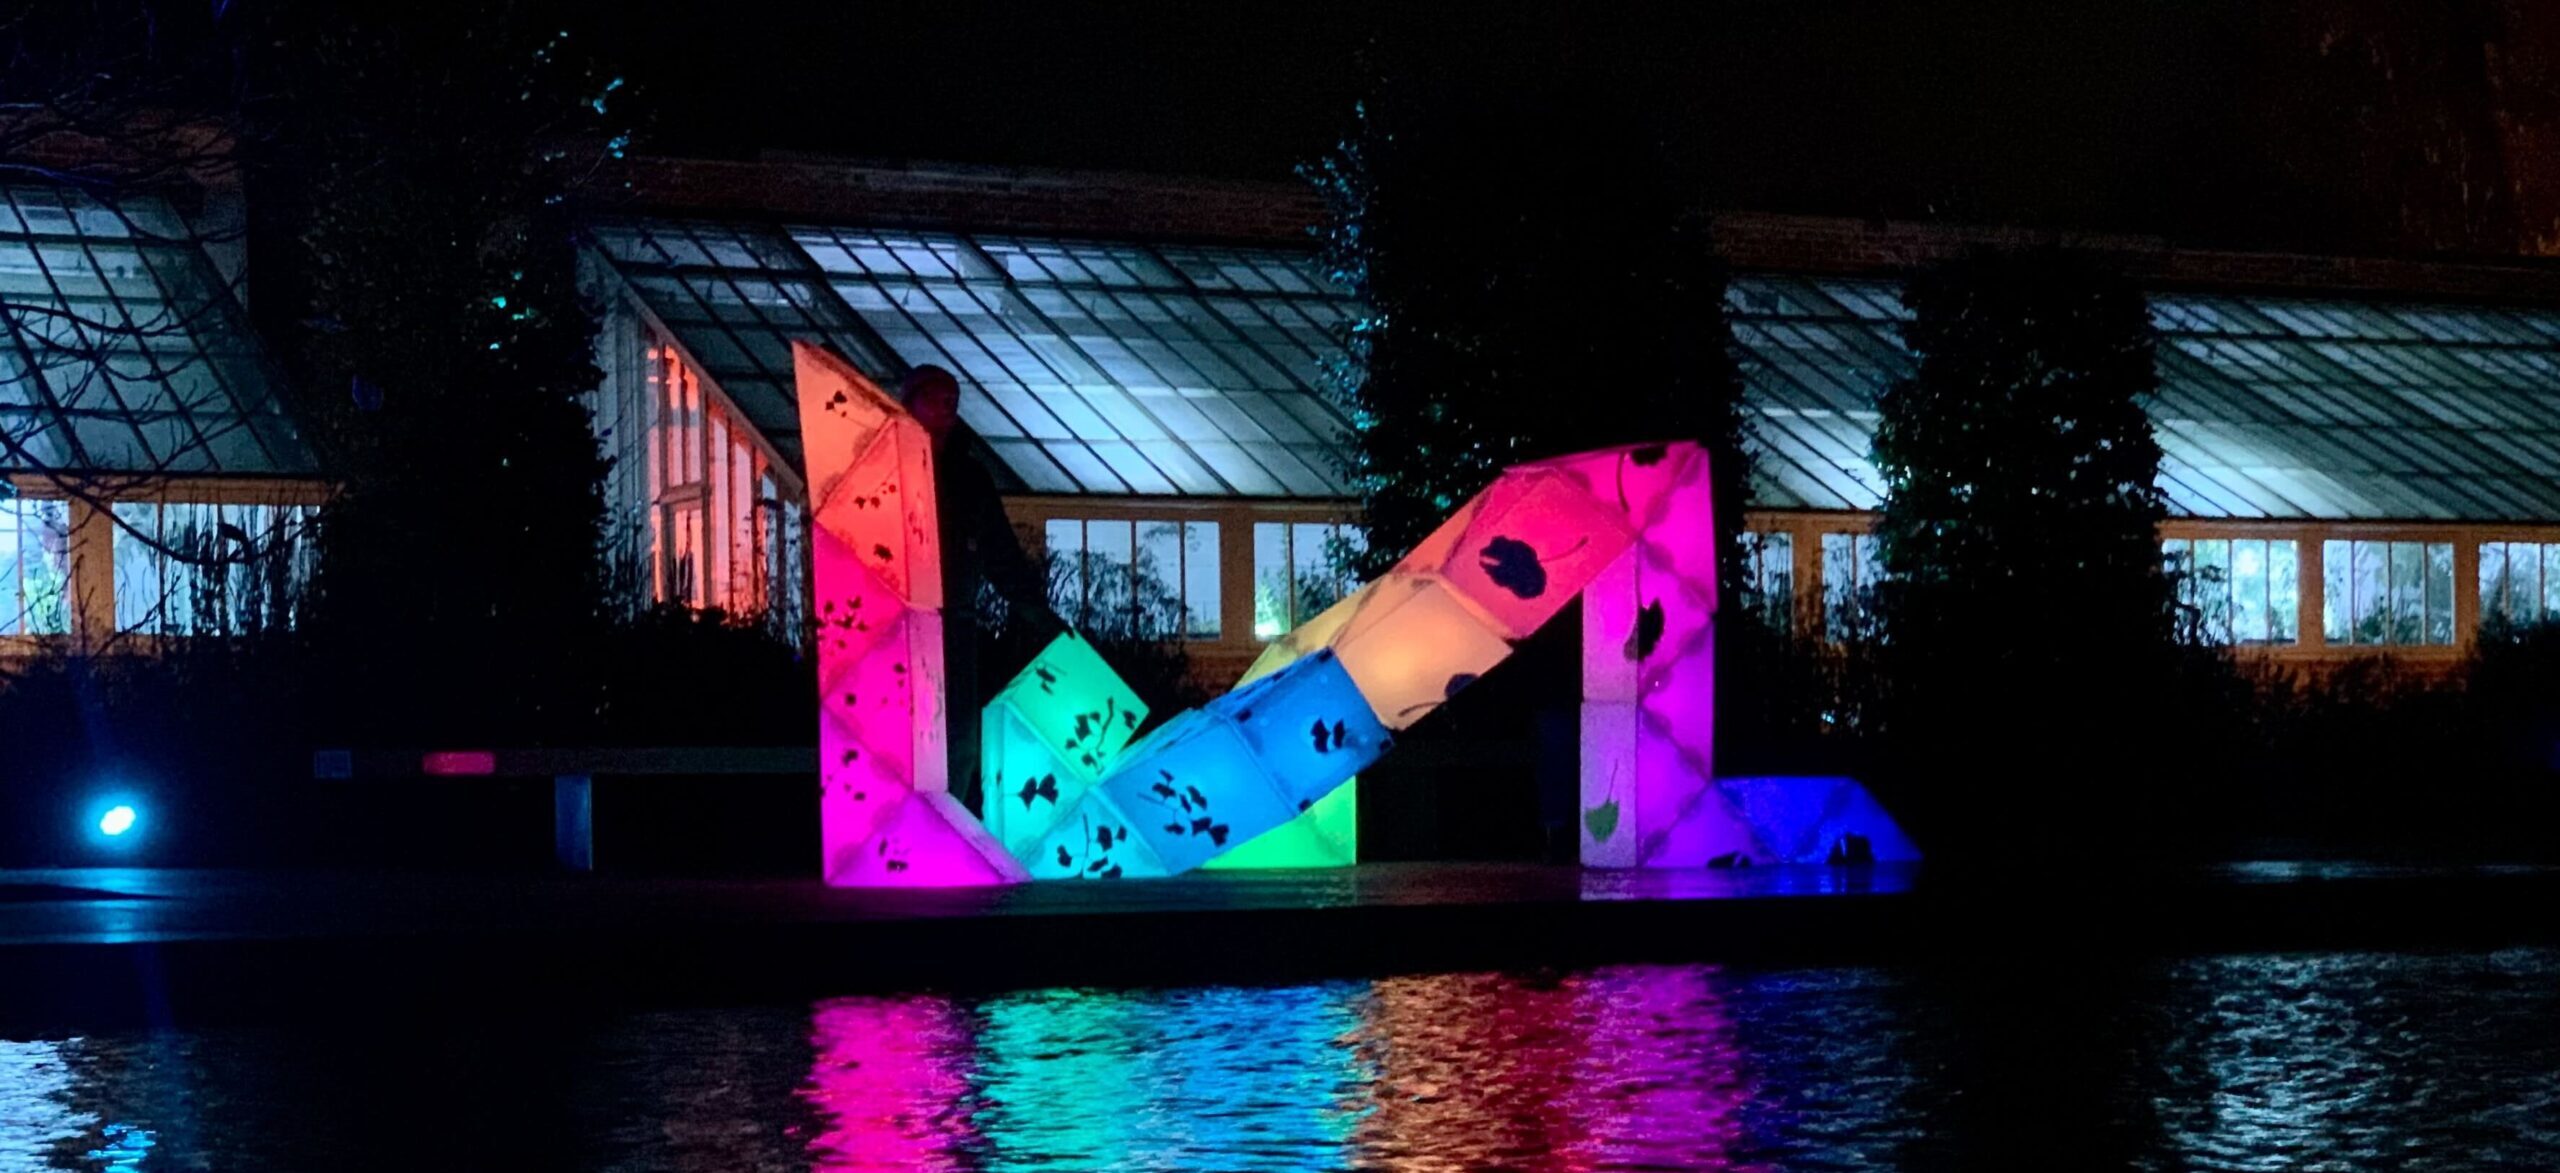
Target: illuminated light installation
x: 885, y: 818
x: 116, y: 821
x: 1049, y: 737
x: 1326, y: 835
x: 1648, y: 674
x: 1635, y: 518
x: 1817, y: 820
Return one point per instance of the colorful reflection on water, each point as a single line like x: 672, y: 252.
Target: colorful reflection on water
x: 2364, y: 1060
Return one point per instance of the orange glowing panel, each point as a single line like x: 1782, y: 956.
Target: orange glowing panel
x: 1412, y: 644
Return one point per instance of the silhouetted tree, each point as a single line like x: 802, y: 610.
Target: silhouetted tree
x: 2028, y: 623
x: 418, y: 167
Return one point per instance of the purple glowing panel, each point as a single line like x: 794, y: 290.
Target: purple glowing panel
x: 1648, y: 797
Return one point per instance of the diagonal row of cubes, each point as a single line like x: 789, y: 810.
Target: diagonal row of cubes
x: 1071, y: 795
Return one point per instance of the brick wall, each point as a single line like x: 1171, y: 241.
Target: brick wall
x: 1825, y: 244
x: 983, y: 198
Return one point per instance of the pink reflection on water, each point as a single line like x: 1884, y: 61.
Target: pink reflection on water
x: 890, y: 1085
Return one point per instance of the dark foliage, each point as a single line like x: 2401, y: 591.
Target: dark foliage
x: 413, y: 190
x: 1516, y: 312
x: 2028, y: 628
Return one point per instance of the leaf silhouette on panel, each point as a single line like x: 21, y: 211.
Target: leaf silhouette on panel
x: 1175, y: 829
x: 1066, y: 859
x: 1164, y: 791
x: 1197, y: 798
x: 1111, y: 873
x: 1514, y: 566
x: 1649, y: 455
x: 1602, y: 820
x: 1102, y: 838
x: 1323, y: 737
x: 1648, y: 632
x: 1045, y: 786
x: 1200, y: 826
x: 1218, y: 834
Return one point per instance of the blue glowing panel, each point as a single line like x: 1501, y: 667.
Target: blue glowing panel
x: 1817, y: 820
x: 1194, y: 788
x: 1308, y: 724
x: 1093, y: 840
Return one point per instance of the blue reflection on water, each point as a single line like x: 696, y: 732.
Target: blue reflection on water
x: 2345, y: 1061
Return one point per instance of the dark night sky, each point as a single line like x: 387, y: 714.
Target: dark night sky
x: 2103, y: 115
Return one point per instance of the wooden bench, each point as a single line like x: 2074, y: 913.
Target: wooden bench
x: 572, y: 771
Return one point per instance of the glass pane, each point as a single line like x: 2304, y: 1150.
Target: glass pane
x: 1840, y: 583
x: 2493, y: 580
x: 2549, y: 556
x: 137, y: 566
x: 2524, y: 583
x: 2408, y: 592
x: 2284, y: 593
x: 1314, y: 583
x: 1109, y: 589
x: 1202, y: 603
x: 2337, y: 593
x: 2439, y: 600
x: 1160, y: 609
x: 13, y: 600
x: 1773, y: 574
x: 2373, y: 611
x: 2249, y: 590
x: 2213, y: 588
x: 44, y: 547
x: 1270, y: 580
x: 1064, y: 540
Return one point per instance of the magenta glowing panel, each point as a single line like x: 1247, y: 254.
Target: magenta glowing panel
x: 876, y: 565
x: 1648, y: 647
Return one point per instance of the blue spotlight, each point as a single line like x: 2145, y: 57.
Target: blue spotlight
x: 114, y: 822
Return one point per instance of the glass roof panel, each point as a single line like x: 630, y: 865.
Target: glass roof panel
x: 1115, y: 346
x: 2331, y: 408
x: 123, y: 351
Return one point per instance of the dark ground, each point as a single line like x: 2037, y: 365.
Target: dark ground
x: 83, y: 948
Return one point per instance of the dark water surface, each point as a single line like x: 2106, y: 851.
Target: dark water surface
x: 2339, y: 1061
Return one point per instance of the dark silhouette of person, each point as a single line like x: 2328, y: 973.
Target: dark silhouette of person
x: 980, y: 552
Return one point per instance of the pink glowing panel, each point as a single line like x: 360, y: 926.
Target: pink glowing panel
x: 1633, y: 480
x: 890, y: 698
x: 1413, y: 644
x: 883, y: 819
x: 1523, y: 548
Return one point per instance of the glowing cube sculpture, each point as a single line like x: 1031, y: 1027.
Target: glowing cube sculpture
x: 1816, y: 820
x: 875, y: 558
x: 1648, y: 670
x: 1049, y: 737
x: 1326, y: 835
x: 1632, y: 523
